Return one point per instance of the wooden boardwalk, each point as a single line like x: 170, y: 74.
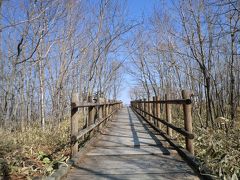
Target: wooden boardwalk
x: 130, y: 149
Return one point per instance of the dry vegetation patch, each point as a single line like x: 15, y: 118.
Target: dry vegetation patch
x: 33, y: 152
x: 219, y: 151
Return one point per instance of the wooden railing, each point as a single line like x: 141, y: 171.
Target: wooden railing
x: 150, y: 111
x: 97, y: 114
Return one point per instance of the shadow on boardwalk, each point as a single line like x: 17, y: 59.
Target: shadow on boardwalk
x: 129, y: 149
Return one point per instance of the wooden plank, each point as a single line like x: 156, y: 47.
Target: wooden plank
x: 192, y: 161
x: 144, y: 158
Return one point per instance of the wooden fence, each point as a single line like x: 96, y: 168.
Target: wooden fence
x: 97, y: 114
x: 150, y: 111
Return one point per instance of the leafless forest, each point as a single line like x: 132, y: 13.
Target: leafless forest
x: 50, y: 49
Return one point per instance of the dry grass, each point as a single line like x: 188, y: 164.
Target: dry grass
x: 33, y: 152
x: 219, y: 151
x: 216, y: 149
x: 36, y: 153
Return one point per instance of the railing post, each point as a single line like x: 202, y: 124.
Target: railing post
x: 139, y: 106
x: 74, y: 124
x: 149, y: 110
x: 158, y: 112
x: 113, y: 109
x: 91, y: 112
x: 154, y: 110
x: 187, y: 110
x: 107, y: 108
x: 144, y: 107
x: 104, y: 108
x: 168, y: 115
x: 110, y: 109
x: 100, y: 108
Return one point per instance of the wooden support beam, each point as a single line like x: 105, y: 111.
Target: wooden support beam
x: 187, y: 110
x: 147, y: 111
x: 144, y: 108
x: 158, y: 111
x: 91, y: 112
x: 74, y: 124
x: 168, y: 115
x: 150, y: 111
x: 154, y: 110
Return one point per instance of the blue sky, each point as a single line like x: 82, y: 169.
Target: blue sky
x: 137, y: 8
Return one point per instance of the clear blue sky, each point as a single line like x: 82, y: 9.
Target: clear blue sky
x: 137, y: 8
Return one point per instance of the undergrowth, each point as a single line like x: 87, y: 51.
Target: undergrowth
x: 33, y: 152
x: 217, y: 149
x: 220, y: 152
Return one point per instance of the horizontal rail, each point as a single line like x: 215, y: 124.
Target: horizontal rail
x: 91, y: 127
x: 174, y: 101
x: 198, y: 167
x: 93, y: 104
x: 179, y: 130
x: 97, y: 113
x: 151, y: 111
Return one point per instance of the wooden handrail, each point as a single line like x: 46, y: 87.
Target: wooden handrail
x: 86, y: 104
x: 147, y: 110
x: 98, y: 113
x: 181, y: 131
x: 173, y: 101
x: 90, y: 128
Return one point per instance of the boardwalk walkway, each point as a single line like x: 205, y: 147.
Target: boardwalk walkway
x: 130, y: 149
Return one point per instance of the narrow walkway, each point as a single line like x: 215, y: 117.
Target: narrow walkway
x: 130, y: 149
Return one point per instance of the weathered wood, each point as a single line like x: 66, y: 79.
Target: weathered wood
x: 100, y: 110
x: 147, y: 111
x: 187, y: 110
x: 144, y: 108
x: 182, y: 131
x: 74, y: 124
x: 104, y: 109
x: 187, y: 156
x: 88, y: 104
x: 130, y: 149
x: 110, y: 109
x: 168, y: 115
x: 150, y: 111
x: 172, y: 101
x: 91, y: 112
x: 93, y: 126
x: 158, y: 111
x: 154, y: 109
x: 107, y: 110
x: 140, y: 104
x: 90, y: 124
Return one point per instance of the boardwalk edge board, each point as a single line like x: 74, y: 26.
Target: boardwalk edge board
x: 202, y: 171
